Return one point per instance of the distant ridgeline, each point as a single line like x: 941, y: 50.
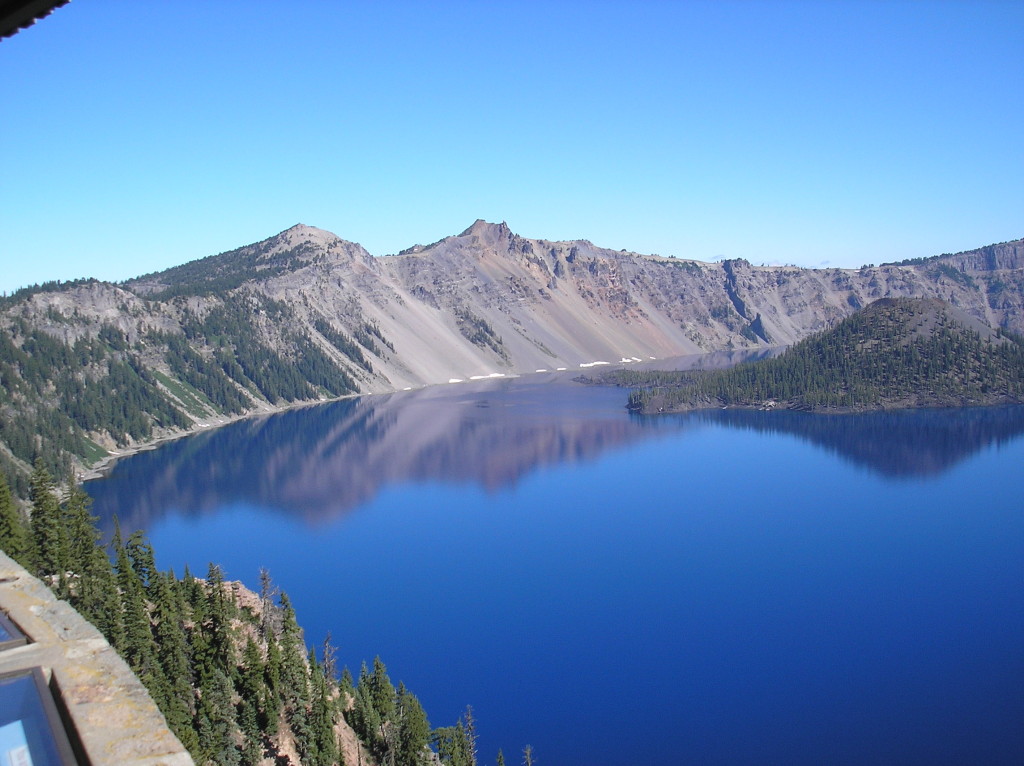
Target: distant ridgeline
x: 88, y: 368
x: 896, y: 352
x: 228, y: 668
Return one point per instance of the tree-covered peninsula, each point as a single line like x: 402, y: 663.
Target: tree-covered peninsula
x: 895, y: 353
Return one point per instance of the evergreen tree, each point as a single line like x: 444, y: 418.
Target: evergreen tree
x: 294, y: 677
x: 81, y: 532
x: 178, y: 704
x: 213, y: 613
x: 251, y: 689
x: 412, y: 730
x: 14, y: 532
x: 347, y: 685
x: 381, y: 697
x: 293, y: 668
x: 102, y: 601
x: 363, y: 716
x: 139, y: 648
x: 267, y: 614
x: 140, y: 553
x: 251, y: 684
x: 48, y: 532
x: 452, y: 745
x: 272, y: 679
x: 382, y: 693
x: 248, y: 722
x: 215, y: 721
x: 322, y: 740
x: 95, y: 594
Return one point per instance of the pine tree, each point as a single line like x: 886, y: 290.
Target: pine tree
x: 101, y: 601
x: 140, y: 553
x: 251, y: 684
x: 215, y: 721
x: 139, y: 649
x: 216, y: 625
x: 382, y: 693
x: 323, y: 743
x: 267, y: 613
x: 248, y: 722
x: 452, y: 745
x: 293, y: 668
x: 272, y: 679
x: 48, y: 532
x: 195, y: 594
x: 412, y: 730
x: 294, y: 678
x: 178, y: 704
x: 80, y: 526
x: 14, y: 531
x: 95, y: 594
x: 363, y: 716
x: 347, y: 685
x: 252, y: 692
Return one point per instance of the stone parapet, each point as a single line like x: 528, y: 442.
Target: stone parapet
x: 108, y: 710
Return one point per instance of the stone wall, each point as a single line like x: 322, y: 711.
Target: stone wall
x: 113, y: 718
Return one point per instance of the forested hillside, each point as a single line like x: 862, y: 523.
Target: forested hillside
x: 894, y: 353
x: 228, y: 668
x: 73, y: 389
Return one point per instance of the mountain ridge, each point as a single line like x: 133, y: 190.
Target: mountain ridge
x: 305, y: 315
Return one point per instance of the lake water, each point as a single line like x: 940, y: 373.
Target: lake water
x: 718, y: 588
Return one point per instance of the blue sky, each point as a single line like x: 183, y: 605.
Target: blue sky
x: 137, y: 136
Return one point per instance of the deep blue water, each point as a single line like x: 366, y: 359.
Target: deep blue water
x: 721, y: 587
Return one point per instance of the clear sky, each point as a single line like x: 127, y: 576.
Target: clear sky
x: 135, y: 136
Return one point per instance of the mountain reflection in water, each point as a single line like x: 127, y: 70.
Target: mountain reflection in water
x: 320, y: 462
x: 896, y: 444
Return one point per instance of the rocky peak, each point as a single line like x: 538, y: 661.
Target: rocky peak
x: 487, y: 232
x: 300, y: 233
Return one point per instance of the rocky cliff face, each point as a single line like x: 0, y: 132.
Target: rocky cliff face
x: 1003, y: 257
x: 308, y: 306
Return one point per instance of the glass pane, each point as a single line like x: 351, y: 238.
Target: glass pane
x: 26, y: 736
x: 9, y: 636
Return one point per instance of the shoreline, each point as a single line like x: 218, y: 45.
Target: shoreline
x: 787, y: 406
x: 102, y: 468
